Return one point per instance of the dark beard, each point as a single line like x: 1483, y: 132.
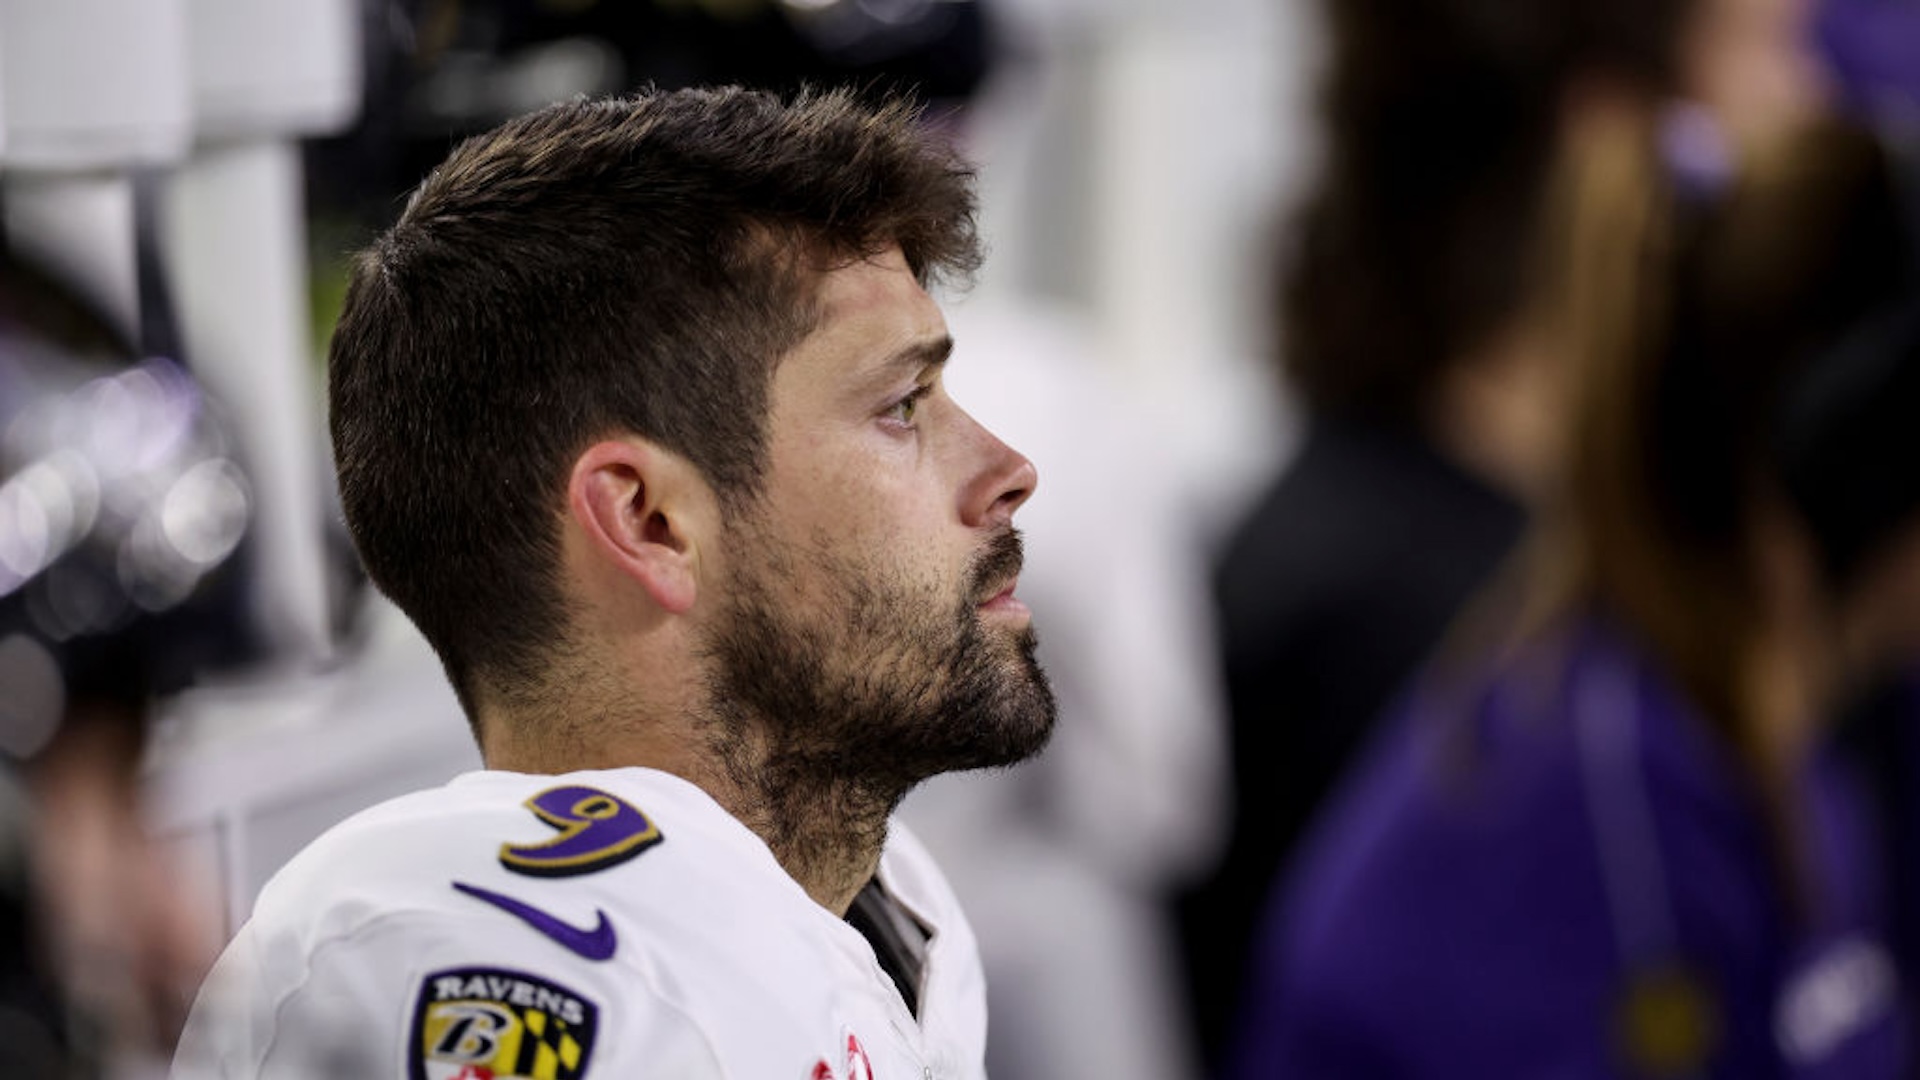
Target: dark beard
x: 854, y: 707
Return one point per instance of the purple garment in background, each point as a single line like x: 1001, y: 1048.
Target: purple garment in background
x: 1496, y: 877
x: 1872, y: 48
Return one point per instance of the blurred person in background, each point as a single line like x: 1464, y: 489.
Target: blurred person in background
x: 1606, y: 835
x: 1413, y: 322
x: 122, y: 512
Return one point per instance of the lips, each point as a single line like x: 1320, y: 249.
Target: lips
x: 1006, y: 605
x: 996, y: 573
x: 1003, y: 603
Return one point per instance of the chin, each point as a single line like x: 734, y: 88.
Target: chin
x: 1020, y: 716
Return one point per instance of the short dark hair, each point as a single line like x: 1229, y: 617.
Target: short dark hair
x: 621, y: 265
x: 1420, y: 239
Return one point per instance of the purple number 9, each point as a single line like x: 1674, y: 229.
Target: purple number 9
x: 597, y: 830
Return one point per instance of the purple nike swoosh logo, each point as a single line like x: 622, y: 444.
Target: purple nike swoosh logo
x: 595, y: 944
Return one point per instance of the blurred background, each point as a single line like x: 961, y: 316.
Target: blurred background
x: 1272, y: 301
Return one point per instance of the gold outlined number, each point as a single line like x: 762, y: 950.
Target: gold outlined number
x: 597, y: 830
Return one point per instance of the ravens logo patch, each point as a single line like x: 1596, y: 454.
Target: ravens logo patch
x: 494, y: 1024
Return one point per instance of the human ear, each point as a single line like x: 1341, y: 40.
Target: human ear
x: 640, y: 509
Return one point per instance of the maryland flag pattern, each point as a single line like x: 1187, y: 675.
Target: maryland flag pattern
x: 494, y: 1024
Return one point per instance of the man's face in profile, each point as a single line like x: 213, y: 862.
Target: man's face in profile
x: 870, y: 611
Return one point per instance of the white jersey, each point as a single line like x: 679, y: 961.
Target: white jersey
x: 454, y: 934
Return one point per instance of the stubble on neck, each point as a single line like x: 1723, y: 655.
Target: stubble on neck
x: 824, y: 821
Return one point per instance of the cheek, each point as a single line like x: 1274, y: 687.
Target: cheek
x: 886, y: 504
x: 883, y: 508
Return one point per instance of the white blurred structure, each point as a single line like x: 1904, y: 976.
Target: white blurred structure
x: 1134, y: 171
x: 90, y: 90
x: 265, y: 73
x: 209, y: 96
x: 257, y: 772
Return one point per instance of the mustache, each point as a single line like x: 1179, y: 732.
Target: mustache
x: 996, y: 564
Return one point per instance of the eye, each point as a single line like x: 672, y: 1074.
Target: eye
x: 902, y: 411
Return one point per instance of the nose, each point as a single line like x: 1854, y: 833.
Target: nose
x: 1002, y: 481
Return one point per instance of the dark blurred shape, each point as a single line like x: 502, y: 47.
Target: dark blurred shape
x: 1420, y: 243
x: 121, y: 508
x: 1849, y: 445
x: 1876, y: 732
x: 122, y: 515
x: 1850, y: 438
x: 1847, y: 434
x: 1329, y: 596
x: 439, y: 70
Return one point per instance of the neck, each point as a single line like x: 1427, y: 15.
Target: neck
x: 824, y: 827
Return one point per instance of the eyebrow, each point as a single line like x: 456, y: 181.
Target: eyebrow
x: 920, y: 354
x: 913, y: 357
